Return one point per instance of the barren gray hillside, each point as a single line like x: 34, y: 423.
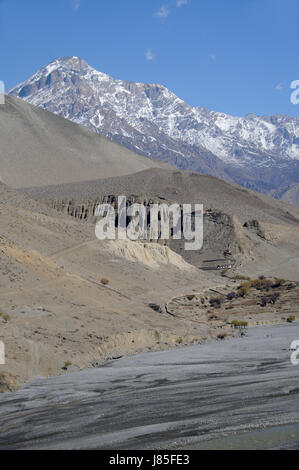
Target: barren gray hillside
x: 39, y: 148
x: 177, y: 186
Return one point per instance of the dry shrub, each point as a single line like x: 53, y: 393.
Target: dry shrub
x: 222, y: 335
x: 7, y: 383
x: 239, y: 324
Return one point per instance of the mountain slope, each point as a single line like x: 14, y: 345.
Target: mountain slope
x: 39, y: 148
x: 261, y: 153
x: 61, y: 316
x: 262, y: 233
x: 51, y: 266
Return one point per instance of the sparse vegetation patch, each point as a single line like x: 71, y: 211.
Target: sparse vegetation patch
x: 239, y: 324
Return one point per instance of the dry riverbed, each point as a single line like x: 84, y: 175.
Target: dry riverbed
x: 160, y: 399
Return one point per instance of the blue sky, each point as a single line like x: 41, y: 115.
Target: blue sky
x: 234, y: 56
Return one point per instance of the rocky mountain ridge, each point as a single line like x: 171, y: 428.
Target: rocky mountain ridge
x: 258, y: 152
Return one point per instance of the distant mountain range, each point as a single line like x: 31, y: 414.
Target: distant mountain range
x: 258, y: 152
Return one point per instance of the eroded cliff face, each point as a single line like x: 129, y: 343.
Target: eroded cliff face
x: 221, y: 231
x: 85, y: 210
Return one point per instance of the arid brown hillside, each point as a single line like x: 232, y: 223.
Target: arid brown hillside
x: 262, y: 233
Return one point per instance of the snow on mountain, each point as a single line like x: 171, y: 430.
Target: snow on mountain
x: 152, y: 120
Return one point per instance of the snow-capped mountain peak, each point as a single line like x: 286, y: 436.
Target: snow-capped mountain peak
x: 152, y: 120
